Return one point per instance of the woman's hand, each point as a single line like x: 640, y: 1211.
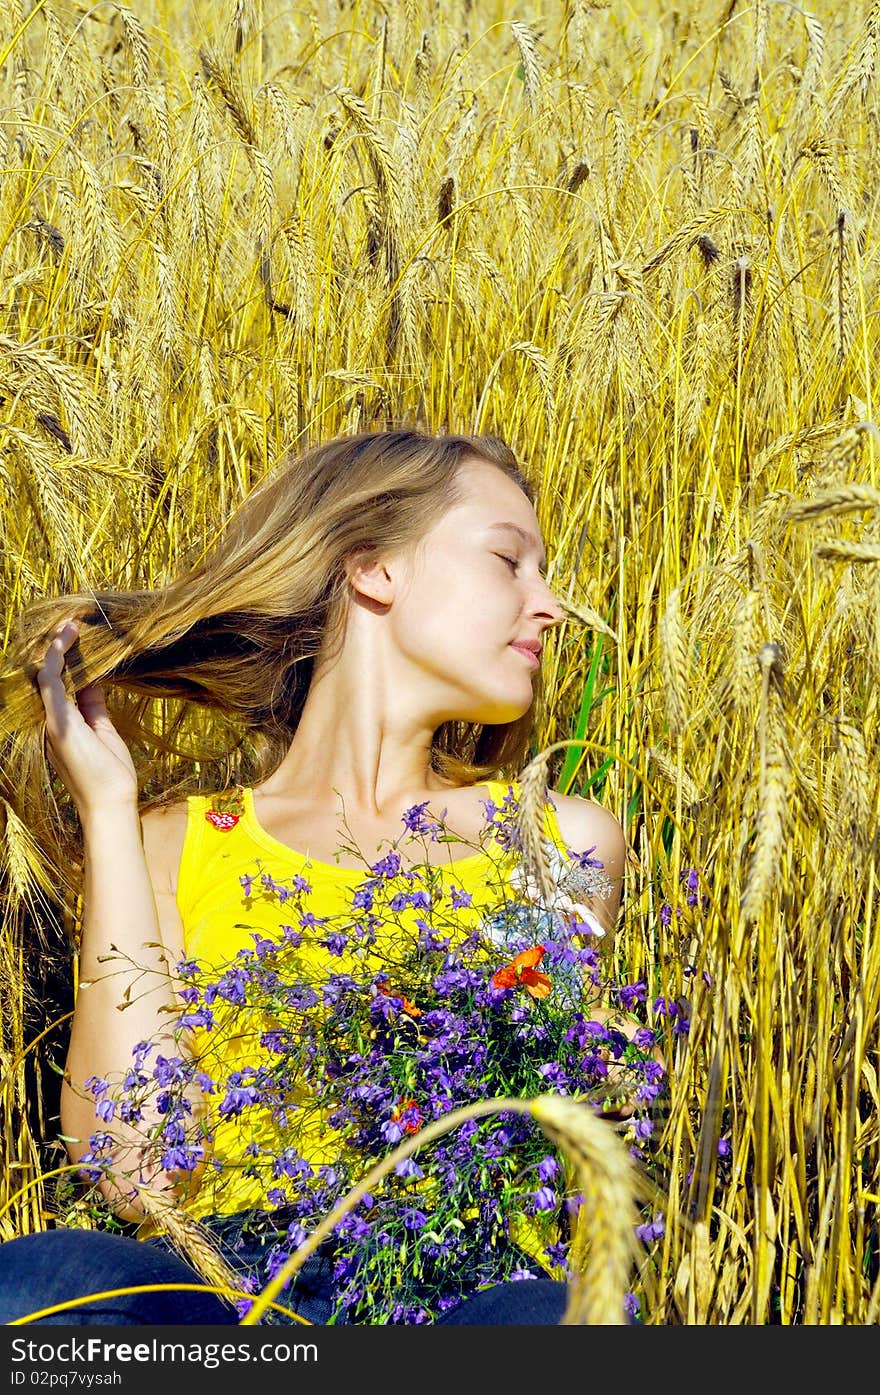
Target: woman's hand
x: 84, y: 746
x: 619, y: 1077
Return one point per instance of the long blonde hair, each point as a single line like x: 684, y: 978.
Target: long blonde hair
x: 236, y: 632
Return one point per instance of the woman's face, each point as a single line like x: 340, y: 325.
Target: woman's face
x: 471, y: 589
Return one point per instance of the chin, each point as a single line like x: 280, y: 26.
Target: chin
x: 499, y: 713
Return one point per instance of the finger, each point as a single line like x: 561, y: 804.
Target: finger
x: 60, y: 640
x: 50, y: 671
x: 50, y: 681
x: 91, y: 699
x: 68, y: 633
x: 53, y: 659
x: 92, y: 705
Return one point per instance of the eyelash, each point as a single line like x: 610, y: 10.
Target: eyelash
x: 511, y: 562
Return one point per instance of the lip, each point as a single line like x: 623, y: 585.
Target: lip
x: 529, y: 654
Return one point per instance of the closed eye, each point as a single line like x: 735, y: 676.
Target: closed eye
x: 512, y: 562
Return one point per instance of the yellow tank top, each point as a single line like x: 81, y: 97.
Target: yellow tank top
x: 224, y: 843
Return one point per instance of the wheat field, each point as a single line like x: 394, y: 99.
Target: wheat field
x: 639, y: 243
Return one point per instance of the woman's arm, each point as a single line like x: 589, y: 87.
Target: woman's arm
x: 582, y: 824
x: 126, y: 991
x: 131, y: 940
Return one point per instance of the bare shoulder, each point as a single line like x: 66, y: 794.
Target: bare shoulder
x: 583, y: 822
x: 163, y: 831
x: 586, y: 825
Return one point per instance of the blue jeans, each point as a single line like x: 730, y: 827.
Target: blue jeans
x: 53, y: 1266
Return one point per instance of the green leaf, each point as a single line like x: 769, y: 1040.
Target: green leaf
x: 588, y: 702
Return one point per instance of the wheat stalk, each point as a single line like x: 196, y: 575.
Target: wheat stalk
x: 545, y: 374
x: 423, y: 69
x: 747, y: 633
x: 846, y: 251
x: 636, y: 317
x: 750, y: 151
x: 844, y: 453
x: 524, y: 225
x: 794, y: 441
x: 604, y: 1245
x: 861, y: 70
x: 20, y: 854
x: 812, y: 71
x: 85, y: 422
x: 138, y: 46
x: 620, y: 153
x: 588, y: 616
x: 462, y: 140
x: 381, y: 156
x: 227, y: 81
x: 490, y: 269
x: 761, y: 26
x: 301, y: 256
x: 699, y: 377
x: 280, y: 108
x: 156, y: 100
x: 856, y: 795
x: 243, y: 23
x: 820, y: 154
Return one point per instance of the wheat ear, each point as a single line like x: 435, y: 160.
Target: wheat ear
x: 840, y: 550
x: 846, y: 498
x: 193, y: 1242
x: 775, y: 766
x: 530, y: 822
x: 604, y: 1245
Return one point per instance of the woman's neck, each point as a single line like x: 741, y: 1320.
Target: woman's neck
x: 374, y: 746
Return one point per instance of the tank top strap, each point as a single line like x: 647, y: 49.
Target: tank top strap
x: 551, y: 823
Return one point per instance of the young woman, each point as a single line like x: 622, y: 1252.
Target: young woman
x: 372, y: 621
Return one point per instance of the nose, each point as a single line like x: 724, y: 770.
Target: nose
x: 547, y: 603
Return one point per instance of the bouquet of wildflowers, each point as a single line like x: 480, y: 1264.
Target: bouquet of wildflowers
x: 359, y: 1047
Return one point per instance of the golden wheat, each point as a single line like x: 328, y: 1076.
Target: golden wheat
x: 648, y: 261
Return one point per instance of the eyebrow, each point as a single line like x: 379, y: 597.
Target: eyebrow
x: 526, y: 537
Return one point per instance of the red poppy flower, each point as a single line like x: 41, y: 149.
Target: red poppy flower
x: 409, y: 1008
x: 414, y: 1122
x: 522, y: 972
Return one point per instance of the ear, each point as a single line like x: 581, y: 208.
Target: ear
x: 370, y: 575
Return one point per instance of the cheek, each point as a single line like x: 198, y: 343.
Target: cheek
x: 454, y: 596
x: 450, y: 617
